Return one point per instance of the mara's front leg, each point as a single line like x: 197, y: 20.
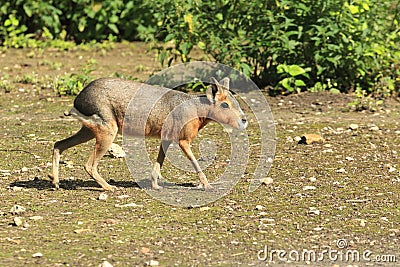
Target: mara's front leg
x: 185, y: 146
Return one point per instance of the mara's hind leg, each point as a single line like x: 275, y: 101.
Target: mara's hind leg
x: 156, y: 173
x: 82, y: 136
x: 105, y: 135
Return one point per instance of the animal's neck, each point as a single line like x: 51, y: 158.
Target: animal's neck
x: 203, y: 110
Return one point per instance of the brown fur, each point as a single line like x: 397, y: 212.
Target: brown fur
x: 102, y: 105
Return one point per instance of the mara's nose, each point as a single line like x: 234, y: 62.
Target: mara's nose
x: 244, y: 120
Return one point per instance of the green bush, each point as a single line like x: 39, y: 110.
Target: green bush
x: 344, y: 46
x: 79, y: 20
x: 340, y: 45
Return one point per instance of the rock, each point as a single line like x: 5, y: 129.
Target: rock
x: 297, y: 138
x: 145, y: 250
x: 341, y: 170
x: 267, y: 181
x: 313, y: 210
x: 81, y: 231
x: 353, y: 126
x: 259, y: 207
x: 204, y: 208
x: 128, y: 205
x: 153, y: 263
x: 116, y: 151
x: 37, y: 255
x: 103, y: 196
x: 18, y: 221
x: 311, y: 139
x: 309, y: 187
x: 105, y: 264
x: 374, y: 128
x: 312, y: 179
x: 24, y: 169
x: 111, y: 221
x: 349, y: 158
x: 17, y: 209
x: 36, y: 218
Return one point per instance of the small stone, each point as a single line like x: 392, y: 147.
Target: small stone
x: 36, y: 218
x: 311, y: 139
x: 81, y: 231
x: 392, y: 169
x: 362, y: 223
x: 353, y: 126
x: 349, y: 158
x: 153, y: 263
x: 341, y: 170
x: 37, y: 255
x: 374, y: 128
x: 18, y: 221
x: 297, y: 138
x: 314, y: 210
x: 111, y: 221
x: 17, y: 209
x: 134, y: 205
x: 309, y: 187
x: 105, y: 264
x: 145, y: 250
x: 267, y: 181
x: 116, y: 151
x: 24, y: 169
x: 204, y: 208
x: 259, y: 207
x: 312, y: 179
x: 385, y: 219
x: 103, y: 196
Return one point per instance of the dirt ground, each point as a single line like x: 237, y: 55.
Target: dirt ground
x: 339, y: 198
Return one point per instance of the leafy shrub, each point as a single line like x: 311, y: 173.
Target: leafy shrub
x: 342, y: 45
x: 348, y: 46
x: 72, y: 84
x: 79, y: 20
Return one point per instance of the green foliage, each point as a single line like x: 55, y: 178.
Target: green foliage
x: 72, y: 84
x: 292, y: 81
x: 78, y: 20
x: 363, y: 101
x: 342, y: 45
x: 5, y: 83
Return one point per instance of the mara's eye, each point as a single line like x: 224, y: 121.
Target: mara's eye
x: 224, y: 105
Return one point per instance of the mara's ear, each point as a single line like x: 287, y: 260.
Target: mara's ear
x: 225, y: 83
x: 215, y: 90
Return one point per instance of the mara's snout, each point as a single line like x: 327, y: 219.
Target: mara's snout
x: 242, y: 123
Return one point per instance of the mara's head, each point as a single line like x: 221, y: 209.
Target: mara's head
x: 225, y: 108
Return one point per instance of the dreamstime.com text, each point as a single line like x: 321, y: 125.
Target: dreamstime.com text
x: 339, y: 254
